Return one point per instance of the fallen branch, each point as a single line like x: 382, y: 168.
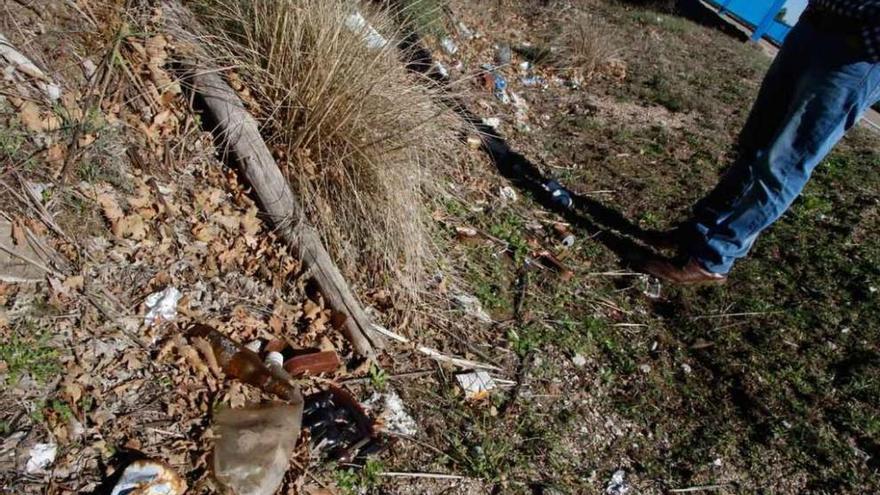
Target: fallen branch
x: 700, y: 488
x: 436, y: 476
x: 239, y: 134
x: 435, y: 354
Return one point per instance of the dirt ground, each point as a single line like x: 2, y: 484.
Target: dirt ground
x: 767, y: 385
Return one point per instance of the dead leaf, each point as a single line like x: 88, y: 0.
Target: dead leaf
x: 18, y: 236
x: 311, y: 310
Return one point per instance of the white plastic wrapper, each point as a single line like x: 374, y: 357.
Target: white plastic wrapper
x: 42, y: 455
x: 356, y: 23
x: 162, y: 304
x: 476, y: 384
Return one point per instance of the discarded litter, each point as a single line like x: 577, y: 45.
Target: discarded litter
x: 253, y: 446
x: 339, y: 427
x: 42, y: 455
x: 522, y: 111
x: 449, y: 46
x: 558, y: 194
x: 493, y: 122
x: 149, y: 477
x: 533, y: 81
x: 652, y: 287
x: 476, y: 384
x: 162, y: 304
x: 503, y: 54
x: 358, y: 24
x: 568, y: 241
x: 507, y: 193
x: 500, y: 91
x: 579, y: 361
x: 472, y: 306
x: 547, y: 259
x: 617, y: 485
x: 312, y: 364
x: 244, y: 364
x: 464, y: 31
x: 441, y: 69
x: 392, y: 414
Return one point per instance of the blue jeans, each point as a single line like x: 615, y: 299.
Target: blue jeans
x: 815, y: 90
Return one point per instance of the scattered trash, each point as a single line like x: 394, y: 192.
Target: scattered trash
x: 493, y: 122
x: 475, y: 142
x: 254, y: 345
x: 313, y: 364
x: 162, y: 304
x: 441, y: 69
x: 464, y: 31
x: 449, y: 45
x: 500, y: 91
x: 243, y: 364
x: 89, y: 68
x: 653, y: 287
x: 525, y: 66
x: 568, y: 241
x: 579, y: 361
x: 508, y: 194
x: 393, y: 417
x: 546, y: 258
x: 356, y: 23
x: 472, y: 306
x: 339, y: 427
x: 503, y: 54
x: 274, y: 358
x: 617, y: 485
x: 149, y: 477
x: 19, y: 258
x: 522, y: 112
x: 42, y: 455
x: 645, y: 368
x: 253, y: 446
x: 558, y: 194
x: 533, y: 81
x: 466, y: 233
x: 686, y: 368
x: 476, y: 384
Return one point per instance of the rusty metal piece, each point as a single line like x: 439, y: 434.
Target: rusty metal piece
x: 312, y: 364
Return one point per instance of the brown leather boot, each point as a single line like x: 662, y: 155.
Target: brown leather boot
x: 692, y: 273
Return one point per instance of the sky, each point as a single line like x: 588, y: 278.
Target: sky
x: 793, y: 10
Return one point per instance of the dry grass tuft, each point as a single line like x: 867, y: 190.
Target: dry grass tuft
x: 587, y: 45
x: 363, y: 140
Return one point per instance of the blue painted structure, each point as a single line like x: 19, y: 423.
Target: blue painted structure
x: 759, y: 15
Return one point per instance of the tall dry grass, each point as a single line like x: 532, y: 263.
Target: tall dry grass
x: 363, y: 141
x: 586, y: 45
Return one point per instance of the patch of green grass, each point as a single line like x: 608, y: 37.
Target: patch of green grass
x: 378, y: 377
x: 352, y: 481
x: 670, y: 23
x: 28, y: 352
x: 426, y: 17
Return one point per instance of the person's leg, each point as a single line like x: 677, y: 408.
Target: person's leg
x: 829, y: 97
x: 766, y: 117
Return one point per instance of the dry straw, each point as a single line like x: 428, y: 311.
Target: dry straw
x: 363, y: 140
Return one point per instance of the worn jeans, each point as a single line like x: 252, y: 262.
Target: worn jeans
x: 815, y: 90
